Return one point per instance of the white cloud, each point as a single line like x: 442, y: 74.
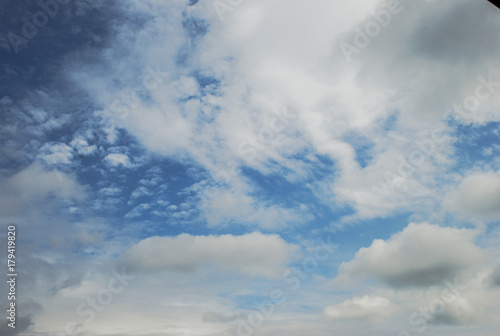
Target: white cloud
x: 110, y: 191
x: 371, y: 308
x: 186, y: 87
x: 263, y: 62
x: 238, y: 208
x: 253, y: 254
x: 34, y: 184
x: 116, y: 159
x: 419, y: 256
x: 82, y: 147
x: 54, y: 153
x: 478, y: 195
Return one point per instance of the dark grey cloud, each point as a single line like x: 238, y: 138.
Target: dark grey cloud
x: 421, y: 277
x: 495, y: 277
x: 456, y: 33
x: 22, y: 325
x: 428, y: 46
x: 461, y: 312
x: 27, y: 309
x: 218, y: 317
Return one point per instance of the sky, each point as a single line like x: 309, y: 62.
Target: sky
x: 237, y: 168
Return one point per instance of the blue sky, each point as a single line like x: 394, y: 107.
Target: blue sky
x: 220, y: 167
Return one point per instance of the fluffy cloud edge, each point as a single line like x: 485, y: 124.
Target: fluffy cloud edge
x: 253, y: 254
x: 420, y: 255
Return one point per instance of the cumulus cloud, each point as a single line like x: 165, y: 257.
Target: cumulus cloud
x: 253, y: 254
x: 494, y: 277
x: 478, y: 195
x: 371, y: 308
x: 35, y: 183
x: 421, y: 255
x: 462, y: 311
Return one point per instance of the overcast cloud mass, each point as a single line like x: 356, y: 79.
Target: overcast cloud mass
x: 250, y: 167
